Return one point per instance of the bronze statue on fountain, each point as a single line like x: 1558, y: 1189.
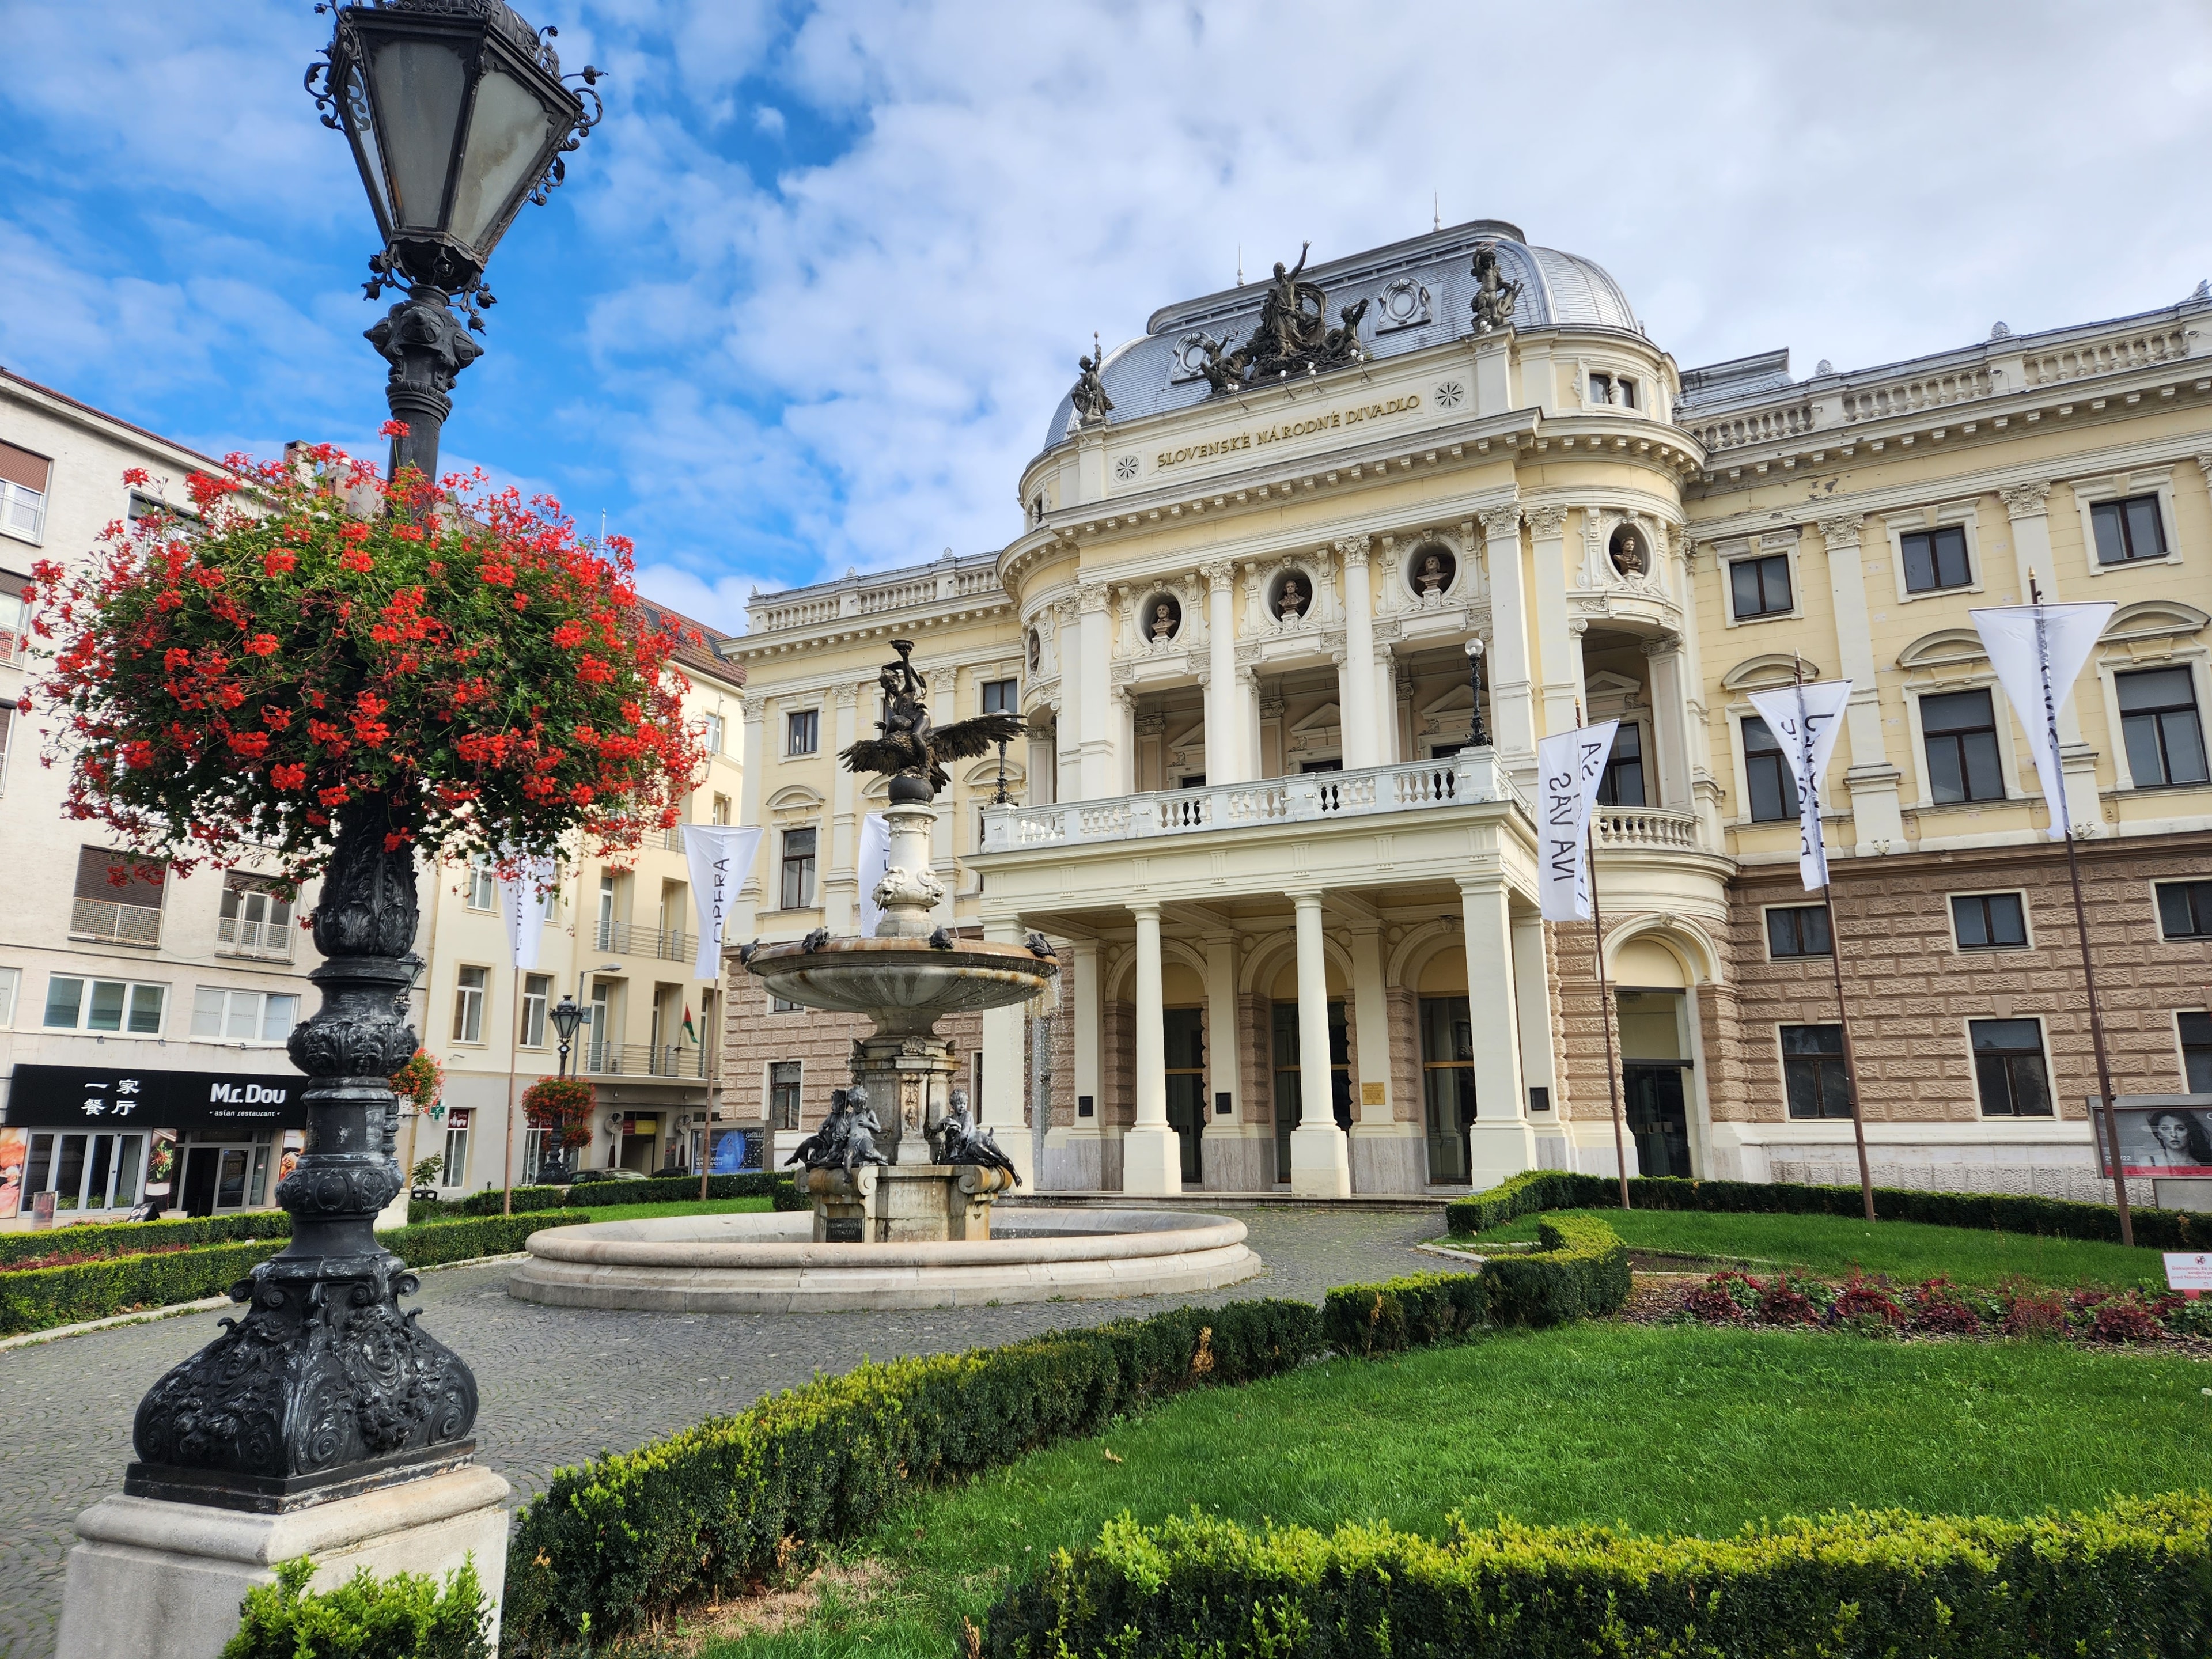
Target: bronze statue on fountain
x: 912, y: 753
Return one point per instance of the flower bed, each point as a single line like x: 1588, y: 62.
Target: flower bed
x: 2128, y: 1581
x: 1935, y: 1307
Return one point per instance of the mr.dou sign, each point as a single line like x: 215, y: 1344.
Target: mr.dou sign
x: 121, y: 1097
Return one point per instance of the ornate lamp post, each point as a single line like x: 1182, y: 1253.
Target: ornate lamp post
x: 568, y: 1015
x: 1476, y: 737
x: 456, y: 113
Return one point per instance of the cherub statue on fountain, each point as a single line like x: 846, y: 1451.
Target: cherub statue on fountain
x: 958, y: 1140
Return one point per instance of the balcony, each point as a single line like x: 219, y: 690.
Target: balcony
x: 1646, y: 829
x: 1312, y: 797
x: 110, y: 922
x: 664, y: 945
x: 673, y: 1061
x: 260, y: 941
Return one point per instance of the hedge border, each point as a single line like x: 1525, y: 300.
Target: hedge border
x: 1537, y: 1190
x: 41, y: 1299
x: 2133, y: 1580
x: 114, y: 1238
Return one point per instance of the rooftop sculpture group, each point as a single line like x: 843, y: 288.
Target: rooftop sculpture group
x: 1293, y: 335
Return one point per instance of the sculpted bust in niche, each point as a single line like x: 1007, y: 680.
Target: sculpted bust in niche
x: 1435, y: 575
x: 1037, y: 650
x: 1630, y: 556
x: 1292, y: 601
x: 1164, y: 621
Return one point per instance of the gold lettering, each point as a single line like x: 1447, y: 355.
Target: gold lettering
x: 1282, y: 431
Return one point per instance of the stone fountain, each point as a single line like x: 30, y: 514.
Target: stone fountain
x: 901, y: 1180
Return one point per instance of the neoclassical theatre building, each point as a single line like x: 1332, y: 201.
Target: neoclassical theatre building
x: 1289, y: 875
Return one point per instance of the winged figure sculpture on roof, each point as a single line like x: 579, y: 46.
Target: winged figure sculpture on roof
x: 911, y: 747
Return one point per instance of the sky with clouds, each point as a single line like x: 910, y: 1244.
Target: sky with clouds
x: 813, y: 289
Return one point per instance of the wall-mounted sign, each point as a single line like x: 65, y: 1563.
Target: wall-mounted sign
x: 2159, y: 1135
x: 129, y: 1097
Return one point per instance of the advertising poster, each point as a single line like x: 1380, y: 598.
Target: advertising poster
x: 295, y: 1142
x: 2163, y: 1139
x: 736, y: 1150
x: 14, y: 1148
x: 160, y: 1164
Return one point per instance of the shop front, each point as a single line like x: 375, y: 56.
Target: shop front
x: 85, y: 1142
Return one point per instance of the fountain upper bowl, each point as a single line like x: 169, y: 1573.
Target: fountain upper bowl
x: 903, y: 984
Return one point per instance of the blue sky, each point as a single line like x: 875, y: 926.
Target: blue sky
x: 811, y: 292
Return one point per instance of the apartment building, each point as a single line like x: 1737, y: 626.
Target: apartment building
x: 141, y: 1023
x: 1282, y: 864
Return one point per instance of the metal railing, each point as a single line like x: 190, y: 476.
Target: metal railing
x: 263, y: 941
x: 1409, y: 786
x: 672, y: 1060
x: 111, y: 922
x: 626, y: 939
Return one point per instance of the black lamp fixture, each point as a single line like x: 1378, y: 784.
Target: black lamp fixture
x: 458, y: 113
x: 566, y: 1017
x: 1476, y: 737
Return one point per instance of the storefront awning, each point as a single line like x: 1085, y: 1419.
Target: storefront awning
x: 130, y: 1098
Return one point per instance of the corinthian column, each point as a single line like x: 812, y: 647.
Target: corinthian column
x: 1225, y: 761
x: 1512, y: 715
x: 1356, y: 680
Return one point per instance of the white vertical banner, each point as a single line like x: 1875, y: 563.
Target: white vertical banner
x: 1806, y: 721
x: 1568, y: 770
x: 720, y: 855
x: 525, y: 904
x: 875, y: 861
x: 2035, y: 648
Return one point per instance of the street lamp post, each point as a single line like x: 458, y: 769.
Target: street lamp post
x: 1476, y: 737
x: 457, y: 112
x: 568, y: 1015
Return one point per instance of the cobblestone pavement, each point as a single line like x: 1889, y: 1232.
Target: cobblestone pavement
x: 559, y: 1385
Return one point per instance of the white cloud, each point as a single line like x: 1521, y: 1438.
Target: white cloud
x: 768, y: 119
x: 719, y: 603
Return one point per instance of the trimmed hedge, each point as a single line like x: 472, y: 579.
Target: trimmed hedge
x: 629, y: 1537
x: 134, y: 1237
x: 1582, y: 1271
x: 405, y: 1616
x: 2052, y: 1217
x: 41, y: 1299
x: 2135, y: 1580
x: 673, y: 1190
x: 1417, y: 1311
x: 527, y: 1200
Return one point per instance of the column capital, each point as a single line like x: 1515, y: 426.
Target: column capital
x: 2027, y: 501
x: 1352, y: 550
x: 2204, y: 464
x: 1842, y: 530
x: 1220, y: 575
x: 1480, y: 883
x: 1502, y: 524
x: 1090, y: 596
x: 1306, y: 898
x: 1546, y: 522
x: 847, y: 695
x: 1662, y: 645
x: 1143, y: 910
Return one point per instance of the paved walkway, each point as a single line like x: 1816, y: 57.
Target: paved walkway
x: 559, y: 1385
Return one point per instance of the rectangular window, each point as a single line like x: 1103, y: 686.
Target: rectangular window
x: 1813, y: 1075
x: 2196, y: 1052
x: 222, y: 1015
x: 2159, y: 725
x: 114, y: 901
x: 1989, y: 921
x: 720, y: 810
x: 104, y: 1005
x: 1961, y: 729
x: 2008, y: 1067
x: 798, y: 869
x: 7, y: 731
x: 483, y: 887
x: 783, y: 1094
x: 1760, y: 587
x: 536, y: 992
x: 11, y: 980
x: 254, y: 919
x: 1936, y: 560
x: 1798, y: 930
x: 23, y: 481
x: 1001, y: 697
x: 2129, y: 530
x: 14, y: 620
x: 1622, y: 783
x: 802, y: 731
x: 456, y: 1172
x: 712, y: 736
x: 1612, y: 389
x: 2184, y: 910
x: 469, y: 1005
x: 1767, y: 772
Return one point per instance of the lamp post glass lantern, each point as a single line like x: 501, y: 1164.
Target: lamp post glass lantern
x: 458, y: 113
x: 567, y: 1016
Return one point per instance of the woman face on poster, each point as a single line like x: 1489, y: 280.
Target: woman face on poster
x: 2181, y: 1140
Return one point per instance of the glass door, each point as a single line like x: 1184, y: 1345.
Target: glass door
x: 1290, y: 1083
x: 1447, y: 1083
x: 1184, y: 1031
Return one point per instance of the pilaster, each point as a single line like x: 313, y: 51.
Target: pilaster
x: 1877, y: 822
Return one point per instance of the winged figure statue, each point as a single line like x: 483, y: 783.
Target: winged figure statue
x: 911, y: 747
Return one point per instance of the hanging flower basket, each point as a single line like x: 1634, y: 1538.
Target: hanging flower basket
x: 562, y: 1106
x: 422, y: 1080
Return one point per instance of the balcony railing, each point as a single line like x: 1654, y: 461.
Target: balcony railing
x: 114, y: 923
x: 263, y: 941
x: 667, y: 944
x: 1647, y: 826
x: 663, y: 1060
x: 1409, y: 786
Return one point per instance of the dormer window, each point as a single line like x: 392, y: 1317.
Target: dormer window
x: 1617, y: 389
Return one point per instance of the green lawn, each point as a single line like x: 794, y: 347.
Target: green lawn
x: 1657, y: 1429
x: 1906, y: 1250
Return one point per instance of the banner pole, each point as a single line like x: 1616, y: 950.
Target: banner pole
x: 1605, y: 1014
x: 514, y: 1041
x: 2050, y: 755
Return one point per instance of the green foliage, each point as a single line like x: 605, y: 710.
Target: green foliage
x: 426, y: 1170
x: 402, y: 1617
x: 2135, y: 1580
x: 1417, y: 1311
x: 720, y: 1505
x: 41, y: 1299
x: 675, y: 1188
x: 526, y: 1200
x: 100, y: 1238
x: 1581, y: 1273
x: 1557, y: 1189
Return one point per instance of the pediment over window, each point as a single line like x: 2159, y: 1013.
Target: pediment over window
x: 2153, y: 619
x: 1947, y: 647
x: 1770, y: 668
x: 984, y: 774
x: 793, y: 797
x: 1327, y: 718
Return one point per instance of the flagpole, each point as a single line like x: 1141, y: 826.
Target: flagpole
x: 1835, y: 941
x: 514, y: 1041
x: 1605, y: 1003
x: 2049, y: 757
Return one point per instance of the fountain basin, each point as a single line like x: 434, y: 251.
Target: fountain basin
x: 757, y: 1263
x: 902, y: 984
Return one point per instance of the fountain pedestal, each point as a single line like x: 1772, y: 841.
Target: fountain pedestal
x: 904, y: 1203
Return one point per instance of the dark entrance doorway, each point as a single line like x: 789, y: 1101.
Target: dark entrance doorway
x: 214, y: 1178
x: 1447, y: 1083
x: 1184, y: 1034
x: 1658, y: 1117
x: 1290, y: 1081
